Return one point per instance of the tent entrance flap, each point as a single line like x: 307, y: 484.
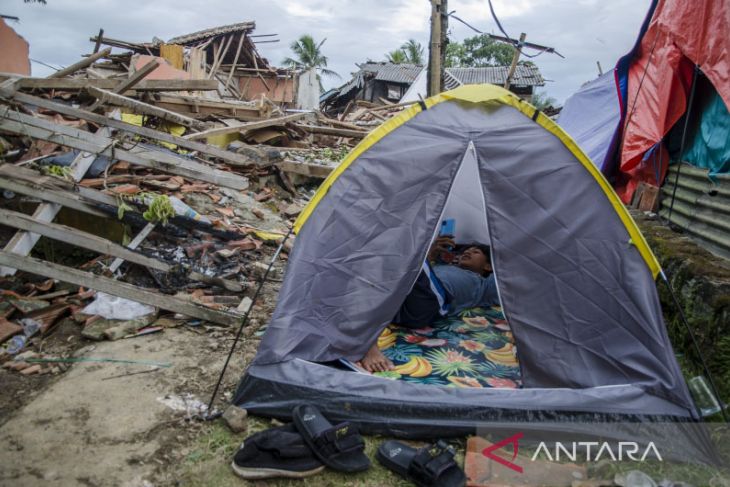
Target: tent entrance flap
x: 465, y: 203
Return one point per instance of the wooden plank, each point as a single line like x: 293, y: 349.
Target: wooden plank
x: 131, y: 81
x: 78, y: 84
x: 63, y: 198
x: 211, y: 150
x: 23, y: 242
x: 102, y: 246
x: 109, y: 98
x: 314, y: 129
x: 235, y: 61
x: 115, y: 288
x: 21, y: 124
x: 81, y: 64
x: 138, y: 239
x: 245, y: 127
x: 306, y: 169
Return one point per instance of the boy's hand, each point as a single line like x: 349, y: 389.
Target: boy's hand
x: 440, y: 245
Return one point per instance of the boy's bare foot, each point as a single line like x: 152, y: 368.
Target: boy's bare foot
x: 375, y: 361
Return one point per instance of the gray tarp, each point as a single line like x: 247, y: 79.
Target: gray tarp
x: 579, y: 297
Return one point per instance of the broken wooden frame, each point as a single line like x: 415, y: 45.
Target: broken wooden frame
x: 21, y: 124
x: 116, y: 288
x: 78, y: 84
x: 209, y: 150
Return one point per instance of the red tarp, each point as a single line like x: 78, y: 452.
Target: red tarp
x: 681, y: 34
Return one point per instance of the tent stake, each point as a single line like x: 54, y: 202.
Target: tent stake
x: 696, y: 346
x: 208, y: 414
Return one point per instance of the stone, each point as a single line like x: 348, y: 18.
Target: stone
x: 245, y: 304
x: 236, y: 419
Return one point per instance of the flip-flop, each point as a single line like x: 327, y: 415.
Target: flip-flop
x: 339, y: 447
x: 276, y: 452
x: 430, y: 466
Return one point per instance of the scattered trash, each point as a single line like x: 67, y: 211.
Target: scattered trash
x: 187, y: 403
x: 116, y: 308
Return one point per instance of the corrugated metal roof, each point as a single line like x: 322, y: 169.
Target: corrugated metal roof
x: 212, y: 32
x: 496, y: 75
x: 394, y: 73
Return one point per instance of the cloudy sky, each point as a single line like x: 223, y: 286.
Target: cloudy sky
x: 584, y: 31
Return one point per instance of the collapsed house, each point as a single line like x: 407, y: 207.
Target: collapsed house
x: 384, y: 82
x: 163, y: 174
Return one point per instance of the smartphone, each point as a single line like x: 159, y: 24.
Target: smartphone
x: 448, y: 228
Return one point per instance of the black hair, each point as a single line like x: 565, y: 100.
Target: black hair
x: 484, y: 248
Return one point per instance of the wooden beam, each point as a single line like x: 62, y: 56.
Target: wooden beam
x: 97, y: 44
x: 210, y: 150
x: 97, y: 244
x: 63, y: 198
x: 21, y: 124
x: 131, y: 81
x: 81, y: 64
x: 245, y: 127
x: 235, y: 61
x: 138, y: 239
x: 109, y: 98
x: 78, y: 84
x: 115, y: 288
x: 23, y: 242
x: 515, y: 58
x: 358, y: 134
x: 306, y: 169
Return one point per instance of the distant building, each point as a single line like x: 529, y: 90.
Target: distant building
x: 383, y: 82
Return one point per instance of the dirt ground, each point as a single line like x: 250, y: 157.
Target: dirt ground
x: 103, y: 423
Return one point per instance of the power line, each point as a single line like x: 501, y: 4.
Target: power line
x: 509, y: 40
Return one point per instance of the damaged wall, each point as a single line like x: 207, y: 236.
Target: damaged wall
x: 15, y: 51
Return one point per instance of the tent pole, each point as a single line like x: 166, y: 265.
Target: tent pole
x: 684, y: 137
x: 208, y: 414
x: 696, y: 346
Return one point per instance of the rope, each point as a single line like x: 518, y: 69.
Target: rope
x: 693, y: 89
x: 209, y: 415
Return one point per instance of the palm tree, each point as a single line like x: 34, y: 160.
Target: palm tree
x: 413, y: 52
x: 396, y: 57
x: 308, y: 55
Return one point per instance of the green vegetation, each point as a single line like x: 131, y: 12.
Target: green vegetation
x: 409, y: 52
x: 308, y: 55
x: 159, y: 210
x: 63, y: 172
x: 479, y: 51
x: 541, y: 100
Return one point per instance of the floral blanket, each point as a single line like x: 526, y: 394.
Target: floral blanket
x: 474, y: 349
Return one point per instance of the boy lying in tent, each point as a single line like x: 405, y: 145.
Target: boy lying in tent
x: 451, y: 288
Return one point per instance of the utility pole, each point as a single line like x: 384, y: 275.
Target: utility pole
x: 515, y: 59
x: 436, y: 47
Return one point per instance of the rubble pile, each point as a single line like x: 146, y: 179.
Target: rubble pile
x: 166, y: 175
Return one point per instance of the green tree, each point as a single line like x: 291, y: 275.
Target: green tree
x: 541, y: 100
x: 478, y: 51
x: 455, y: 55
x: 308, y: 55
x: 396, y: 57
x: 413, y: 52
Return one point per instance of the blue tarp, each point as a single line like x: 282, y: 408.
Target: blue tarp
x: 710, y: 146
x: 591, y: 116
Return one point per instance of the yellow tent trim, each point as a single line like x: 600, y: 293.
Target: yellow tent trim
x: 484, y: 94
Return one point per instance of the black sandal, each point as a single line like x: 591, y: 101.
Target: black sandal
x: 433, y: 465
x: 276, y: 452
x: 339, y: 447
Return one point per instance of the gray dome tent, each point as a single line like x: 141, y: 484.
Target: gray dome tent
x: 575, y: 276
